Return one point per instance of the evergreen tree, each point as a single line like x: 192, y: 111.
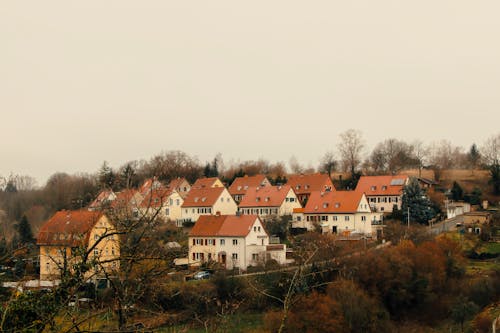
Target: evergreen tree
x: 495, y: 178
x: 416, y: 202
x: 456, y: 192
x: 24, y: 231
x: 106, y: 176
x: 473, y: 156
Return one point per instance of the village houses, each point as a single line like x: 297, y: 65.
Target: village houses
x: 241, y: 185
x: 269, y: 201
x: 207, y: 182
x: 207, y: 201
x: 338, y: 212
x: 181, y: 185
x: 383, y: 192
x: 234, y: 241
x: 164, y: 203
x: 304, y: 185
x: 67, y: 233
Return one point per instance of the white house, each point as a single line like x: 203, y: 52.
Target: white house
x: 207, y: 201
x: 338, y: 212
x: 269, y: 201
x: 240, y: 185
x: 163, y: 202
x: 234, y: 241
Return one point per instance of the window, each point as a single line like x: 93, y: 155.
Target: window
x: 255, y: 256
x: 221, y: 199
x: 258, y: 228
x: 235, y: 256
x: 167, y: 211
x: 346, y: 218
x: 96, y: 252
x: 113, y: 251
x: 96, y: 237
x: 254, y: 229
x: 363, y: 218
x: 324, y: 217
x: 222, y: 242
x: 235, y: 242
x: 171, y: 202
x: 335, y: 218
x: 177, y: 202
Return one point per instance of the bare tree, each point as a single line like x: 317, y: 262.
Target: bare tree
x: 328, y: 163
x: 351, y: 147
x: 491, y: 150
x: 295, y: 166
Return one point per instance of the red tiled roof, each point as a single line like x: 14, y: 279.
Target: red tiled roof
x: 241, y: 184
x: 129, y: 198
x: 333, y: 202
x: 203, y: 197
x: 381, y: 185
x: 268, y: 196
x: 156, y: 198
x: 68, y: 228
x: 149, y: 185
x: 223, y: 225
x: 176, y: 183
x: 101, y: 199
x: 204, y: 182
x: 303, y: 184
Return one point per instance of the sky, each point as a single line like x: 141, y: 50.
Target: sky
x: 82, y: 82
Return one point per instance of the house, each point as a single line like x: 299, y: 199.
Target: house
x: 149, y: 185
x: 269, y: 201
x: 240, y: 185
x: 303, y: 185
x: 181, y: 185
x: 234, y: 241
x: 67, y: 234
x: 164, y: 203
x: 337, y: 212
x: 207, y: 201
x: 207, y: 182
x: 477, y: 217
x: 456, y: 208
x: 383, y: 192
x: 126, y: 203
x: 102, y: 200
x: 427, y: 183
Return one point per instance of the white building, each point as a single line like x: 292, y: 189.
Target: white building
x: 207, y: 201
x: 269, y: 201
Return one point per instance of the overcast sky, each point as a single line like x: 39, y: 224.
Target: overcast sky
x: 86, y: 81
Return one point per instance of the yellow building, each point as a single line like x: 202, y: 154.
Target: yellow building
x: 68, y: 235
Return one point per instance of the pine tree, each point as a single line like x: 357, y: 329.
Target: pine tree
x: 24, y: 231
x: 473, y: 156
x: 416, y: 202
x: 456, y: 192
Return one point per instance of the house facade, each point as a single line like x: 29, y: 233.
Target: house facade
x: 269, y: 201
x: 383, y: 192
x: 207, y: 201
x: 207, y: 182
x: 234, y: 241
x: 164, y: 203
x: 241, y: 185
x: 181, y: 185
x: 304, y: 185
x: 67, y: 234
x: 339, y: 212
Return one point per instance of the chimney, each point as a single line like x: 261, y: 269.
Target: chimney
x: 217, y: 213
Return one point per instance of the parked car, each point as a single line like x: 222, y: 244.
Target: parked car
x: 201, y: 275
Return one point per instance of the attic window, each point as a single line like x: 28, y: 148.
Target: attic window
x: 306, y: 187
x: 315, y: 207
x: 203, y: 199
x: 297, y: 187
x: 267, y: 199
x: 239, y: 188
x: 257, y: 199
x: 196, y: 199
x: 384, y: 188
x: 373, y: 188
x: 337, y: 204
x: 325, y: 205
x: 246, y: 187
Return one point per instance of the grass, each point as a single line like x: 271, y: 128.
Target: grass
x: 238, y: 323
x: 491, y: 248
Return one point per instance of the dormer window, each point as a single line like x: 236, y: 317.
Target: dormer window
x: 325, y: 205
x: 203, y: 199
x: 246, y: 187
x: 373, y: 188
x: 239, y: 188
x: 306, y: 187
x: 337, y: 204
x: 267, y: 199
x: 384, y: 188
x: 297, y: 187
x: 257, y: 199
x: 196, y: 199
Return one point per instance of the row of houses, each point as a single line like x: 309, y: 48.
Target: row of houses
x: 228, y: 222
x: 335, y: 211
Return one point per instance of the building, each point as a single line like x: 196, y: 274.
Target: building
x: 233, y: 241
x: 207, y: 201
x: 304, y: 185
x: 240, y: 185
x: 103, y: 199
x: 181, y: 185
x: 338, y: 212
x: 68, y: 234
x: 456, y: 208
x: 383, y: 192
x: 164, y: 203
x: 207, y: 182
x: 269, y: 201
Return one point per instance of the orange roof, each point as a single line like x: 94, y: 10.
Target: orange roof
x: 382, y: 185
x: 68, y: 228
x: 223, y: 225
x: 101, y: 199
x: 203, y: 197
x: 268, y: 196
x: 303, y: 184
x: 333, y: 202
x: 240, y: 185
x: 149, y: 185
x: 126, y: 198
x: 156, y: 198
x: 204, y: 182
x: 176, y: 183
